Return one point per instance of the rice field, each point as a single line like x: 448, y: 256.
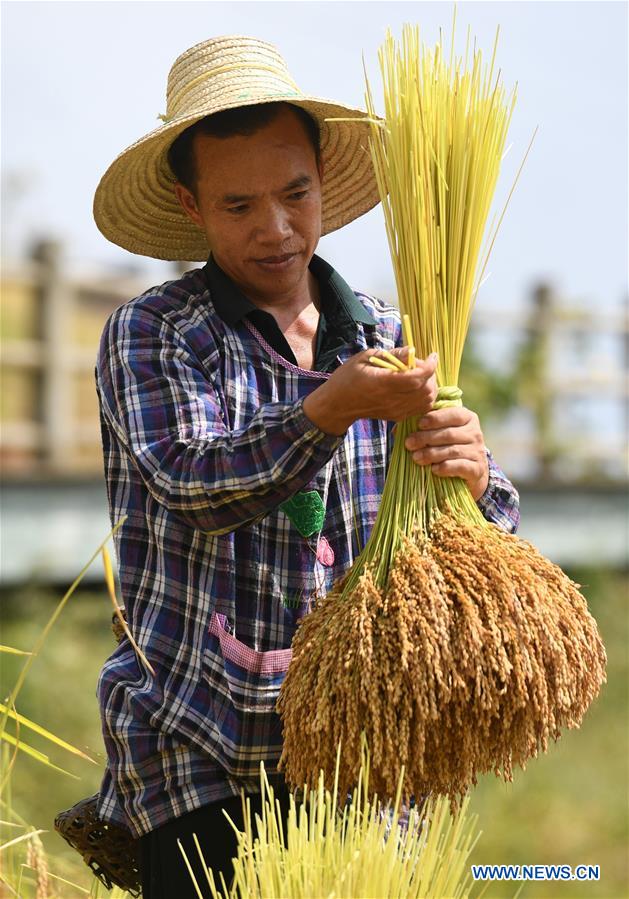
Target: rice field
x: 568, y: 807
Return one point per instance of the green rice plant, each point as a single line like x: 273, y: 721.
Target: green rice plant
x: 24, y: 866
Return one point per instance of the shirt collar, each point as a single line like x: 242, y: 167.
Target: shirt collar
x: 232, y: 305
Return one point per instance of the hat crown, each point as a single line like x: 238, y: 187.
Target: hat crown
x: 135, y: 205
x: 232, y: 70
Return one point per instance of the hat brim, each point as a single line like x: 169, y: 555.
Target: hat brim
x: 136, y: 208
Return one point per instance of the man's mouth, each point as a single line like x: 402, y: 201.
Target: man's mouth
x: 276, y: 263
x: 275, y: 260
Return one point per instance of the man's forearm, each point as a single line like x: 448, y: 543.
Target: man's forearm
x: 320, y: 408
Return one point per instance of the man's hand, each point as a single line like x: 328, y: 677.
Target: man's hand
x: 451, y: 441
x: 360, y: 390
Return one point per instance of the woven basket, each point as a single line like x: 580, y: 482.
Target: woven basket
x: 111, y: 852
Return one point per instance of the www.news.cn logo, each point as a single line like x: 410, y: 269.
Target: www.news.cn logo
x: 536, y: 872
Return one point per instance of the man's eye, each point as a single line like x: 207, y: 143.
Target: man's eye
x: 299, y: 195
x: 237, y: 210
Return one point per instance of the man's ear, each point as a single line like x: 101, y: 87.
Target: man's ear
x: 188, y: 204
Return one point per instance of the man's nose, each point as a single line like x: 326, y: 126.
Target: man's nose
x: 275, y: 224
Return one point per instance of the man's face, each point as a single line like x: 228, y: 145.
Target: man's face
x: 258, y: 199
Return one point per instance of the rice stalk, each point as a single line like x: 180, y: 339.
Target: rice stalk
x: 456, y: 648
x: 23, y: 862
x: 344, y: 849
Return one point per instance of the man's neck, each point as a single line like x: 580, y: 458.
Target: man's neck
x: 302, y: 302
x: 298, y: 320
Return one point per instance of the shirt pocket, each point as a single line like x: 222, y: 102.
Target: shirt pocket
x: 245, y: 686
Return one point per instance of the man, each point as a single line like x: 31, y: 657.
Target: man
x: 245, y: 436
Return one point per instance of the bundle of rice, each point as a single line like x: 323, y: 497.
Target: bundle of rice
x: 361, y: 849
x: 456, y: 648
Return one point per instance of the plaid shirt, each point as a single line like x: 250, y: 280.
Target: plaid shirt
x: 221, y: 475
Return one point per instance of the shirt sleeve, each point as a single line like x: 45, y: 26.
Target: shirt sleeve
x: 500, y: 503
x: 162, y: 406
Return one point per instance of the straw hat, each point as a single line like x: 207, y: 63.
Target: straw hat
x: 135, y: 205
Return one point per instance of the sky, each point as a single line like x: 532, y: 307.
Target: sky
x: 83, y: 80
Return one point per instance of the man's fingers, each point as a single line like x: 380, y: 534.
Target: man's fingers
x: 402, y: 353
x: 407, y: 387
x: 427, y: 366
x: 409, y: 378
x: 457, y: 468
x: 429, y: 455
x: 442, y: 437
x: 451, y: 416
x: 424, y: 368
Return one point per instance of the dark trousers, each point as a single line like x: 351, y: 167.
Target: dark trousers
x: 162, y: 867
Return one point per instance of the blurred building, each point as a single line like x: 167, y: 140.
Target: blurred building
x: 50, y: 327
x: 561, y: 388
